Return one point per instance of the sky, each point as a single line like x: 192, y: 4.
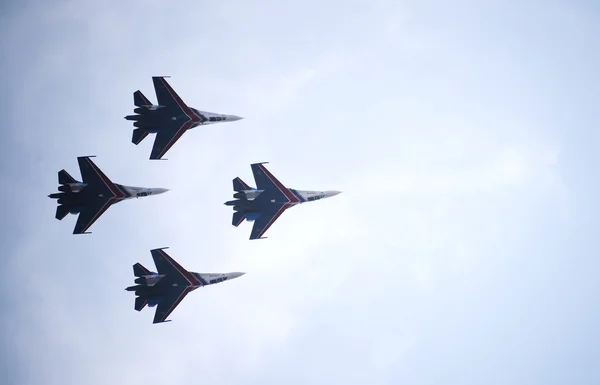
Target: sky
x: 463, y: 249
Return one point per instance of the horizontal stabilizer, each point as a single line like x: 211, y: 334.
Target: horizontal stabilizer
x: 140, y: 100
x: 139, y: 270
x: 140, y: 303
x: 61, y: 212
x: 238, y: 217
x: 65, y: 178
x: 138, y: 135
x: 240, y: 185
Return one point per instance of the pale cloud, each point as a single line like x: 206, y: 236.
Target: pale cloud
x: 276, y: 91
x: 453, y: 195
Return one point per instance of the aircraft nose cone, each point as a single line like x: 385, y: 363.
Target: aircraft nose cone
x: 233, y: 118
x: 160, y: 190
x: 333, y: 193
x: 235, y: 275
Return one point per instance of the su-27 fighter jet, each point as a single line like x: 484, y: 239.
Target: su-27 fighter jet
x: 169, y: 119
x: 268, y: 201
x: 93, y: 196
x: 169, y: 286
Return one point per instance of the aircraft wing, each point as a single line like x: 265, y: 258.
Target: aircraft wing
x: 166, y: 139
x: 169, y: 302
x: 167, y: 97
x: 273, y: 187
x: 174, y: 272
x: 266, y: 219
x: 89, y: 214
x: 93, y: 176
x: 180, y: 280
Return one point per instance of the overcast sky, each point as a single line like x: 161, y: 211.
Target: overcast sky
x: 463, y: 250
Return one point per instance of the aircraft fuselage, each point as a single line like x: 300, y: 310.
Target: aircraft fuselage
x: 152, y: 286
x: 77, y: 195
x: 246, y: 200
x: 154, y: 118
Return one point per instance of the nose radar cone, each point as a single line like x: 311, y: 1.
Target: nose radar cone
x: 236, y: 275
x: 160, y: 190
x: 333, y: 193
x: 233, y: 118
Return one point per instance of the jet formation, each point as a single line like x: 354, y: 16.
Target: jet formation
x: 95, y: 193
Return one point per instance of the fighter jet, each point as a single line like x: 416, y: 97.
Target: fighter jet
x: 268, y: 201
x: 169, y: 286
x: 169, y: 119
x: 93, y: 196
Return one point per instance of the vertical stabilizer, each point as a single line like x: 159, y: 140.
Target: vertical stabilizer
x: 61, y: 212
x: 138, y: 135
x: 240, y: 185
x: 65, y: 178
x: 140, y: 271
x: 140, y: 303
x: 238, y: 217
x: 140, y: 100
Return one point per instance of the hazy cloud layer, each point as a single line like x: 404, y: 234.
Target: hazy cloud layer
x: 463, y: 249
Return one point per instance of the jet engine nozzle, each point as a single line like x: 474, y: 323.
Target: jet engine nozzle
x: 149, y: 280
x: 65, y: 188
